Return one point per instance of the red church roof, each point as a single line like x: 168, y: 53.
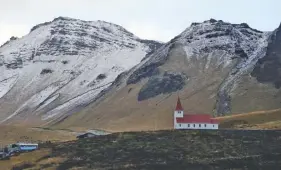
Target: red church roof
x: 179, y: 107
x: 197, y: 118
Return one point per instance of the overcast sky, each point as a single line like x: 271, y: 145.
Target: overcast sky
x: 150, y: 19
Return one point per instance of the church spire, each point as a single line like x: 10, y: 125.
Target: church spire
x: 179, y: 107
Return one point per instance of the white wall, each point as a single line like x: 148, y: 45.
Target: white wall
x: 177, y: 114
x: 195, y: 126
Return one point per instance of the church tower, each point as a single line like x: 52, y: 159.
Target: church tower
x: 178, y: 112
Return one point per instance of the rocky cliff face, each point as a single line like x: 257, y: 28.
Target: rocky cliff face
x: 268, y: 68
x: 62, y: 65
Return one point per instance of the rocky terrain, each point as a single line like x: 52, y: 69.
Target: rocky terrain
x: 267, y: 69
x: 208, y: 150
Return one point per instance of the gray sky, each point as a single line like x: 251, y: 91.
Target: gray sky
x: 150, y: 19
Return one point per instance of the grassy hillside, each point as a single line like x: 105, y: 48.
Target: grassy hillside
x: 268, y: 119
x: 11, y: 134
x: 264, y: 119
x: 250, y: 95
x: 160, y: 150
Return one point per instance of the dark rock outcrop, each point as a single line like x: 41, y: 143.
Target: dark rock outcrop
x: 223, y: 105
x: 150, y: 67
x: 101, y: 77
x: 1, y: 60
x: 240, y: 52
x: 268, y: 68
x: 64, y: 62
x: 153, y: 46
x: 46, y: 71
x: 156, y: 85
x: 13, y: 38
x: 144, y: 72
x: 7, y: 42
x: 39, y: 25
x: 18, y: 63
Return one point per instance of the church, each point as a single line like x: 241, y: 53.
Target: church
x: 193, y: 121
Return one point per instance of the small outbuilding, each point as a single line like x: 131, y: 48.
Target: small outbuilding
x: 86, y: 135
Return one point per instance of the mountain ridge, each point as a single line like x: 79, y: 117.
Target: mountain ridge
x: 209, y: 65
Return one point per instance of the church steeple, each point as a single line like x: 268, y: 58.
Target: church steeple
x: 179, y: 107
x: 178, y: 113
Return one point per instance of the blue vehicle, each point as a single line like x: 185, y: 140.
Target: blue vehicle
x: 26, y: 146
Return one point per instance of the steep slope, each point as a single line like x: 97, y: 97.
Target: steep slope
x: 268, y: 68
x: 61, y: 66
x: 259, y: 89
x: 207, y: 65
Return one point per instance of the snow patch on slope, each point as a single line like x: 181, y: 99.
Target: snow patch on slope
x: 67, y: 106
x: 64, y: 59
x: 34, y: 101
x: 209, y: 37
x: 47, y: 102
x: 6, y: 84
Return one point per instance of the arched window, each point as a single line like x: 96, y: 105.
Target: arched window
x: 199, y: 125
x: 188, y: 125
x: 193, y: 125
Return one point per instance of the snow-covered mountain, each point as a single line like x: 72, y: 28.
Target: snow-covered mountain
x: 62, y: 65
x: 214, y: 46
x: 215, y: 67
x: 73, y: 73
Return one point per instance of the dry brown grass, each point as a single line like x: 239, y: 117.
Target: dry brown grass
x: 266, y: 119
x: 11, y: 134
x: 38, y: 159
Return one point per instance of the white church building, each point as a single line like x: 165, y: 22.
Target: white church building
x: 193, y: 121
